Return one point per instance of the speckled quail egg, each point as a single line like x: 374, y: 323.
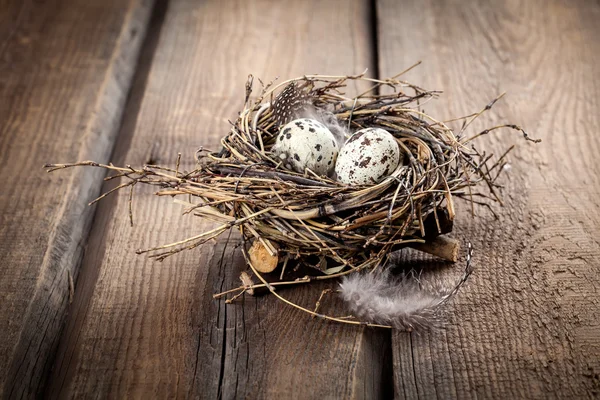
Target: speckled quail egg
x: 368, y: 157
x: 306, y: 143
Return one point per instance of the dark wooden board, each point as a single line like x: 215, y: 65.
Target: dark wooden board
x: 527, y: 325
x: 65, y: 71
x: 140, y: 328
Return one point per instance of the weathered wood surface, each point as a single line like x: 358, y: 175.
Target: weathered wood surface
x: 140, y: 328
x: 527, y: 325
x: 65, y: 70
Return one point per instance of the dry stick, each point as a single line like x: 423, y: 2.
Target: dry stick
x: 466, y: 274
x: 119, y: 175
x: 276, y: 174
x: 212, y: 233
x: 130, y: 203
x: 236, y: 296
x: 380, y: 83
x: 249, y: 84
x: 285, y: 262
x: 469, y: 187
x: 54, y: 167
x: 511, y: 126
x: 262, y: 285
x: 219, y: 229
x: 442, y: 246
x: 121, y: 186
x: 486, y: 176
x: 318, y: 303
x: 262, y: 259
x: 177, y: 164
x: 499, y: 161
x: 476, y: 115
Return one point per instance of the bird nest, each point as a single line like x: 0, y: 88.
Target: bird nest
x: 289, y: 219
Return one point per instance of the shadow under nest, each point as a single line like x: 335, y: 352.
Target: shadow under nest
x: 306, y: 218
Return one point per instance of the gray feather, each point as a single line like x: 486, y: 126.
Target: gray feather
x: 405, y: 303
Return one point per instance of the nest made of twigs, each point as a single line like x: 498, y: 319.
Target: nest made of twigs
x: 312, y: 219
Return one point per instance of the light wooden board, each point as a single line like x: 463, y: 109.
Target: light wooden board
x: 140, y: 328
x: 527, y: 325
x: 65, y: 70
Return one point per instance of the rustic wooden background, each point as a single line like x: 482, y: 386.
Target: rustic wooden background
x: 141, y: 80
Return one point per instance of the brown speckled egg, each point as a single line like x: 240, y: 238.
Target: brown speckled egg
x: 368, y: 157
x: 306, y: 143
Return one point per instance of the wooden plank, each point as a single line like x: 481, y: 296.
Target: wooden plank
x: 527, y: 324
x: 140, y: 328
x: 65, y: 71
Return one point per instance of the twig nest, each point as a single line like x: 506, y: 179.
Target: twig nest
x: 260, y: 183
x: 306, y: 144
x: 276, y: 184
x: 368, y: 157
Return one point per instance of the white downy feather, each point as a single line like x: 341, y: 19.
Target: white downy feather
x: 404, y: 303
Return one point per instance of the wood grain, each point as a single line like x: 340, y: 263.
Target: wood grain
x: 140, y: 328
x: 527, y: 325
x: 65, y: 70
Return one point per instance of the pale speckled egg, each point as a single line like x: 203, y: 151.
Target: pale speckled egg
x: 306, y: 143
x: 368, y: 157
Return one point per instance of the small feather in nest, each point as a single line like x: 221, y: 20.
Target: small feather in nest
x: 327, y: 118
x: 405, y: 303
x: 290, y: 103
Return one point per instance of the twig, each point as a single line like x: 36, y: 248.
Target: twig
x: 318, y: 303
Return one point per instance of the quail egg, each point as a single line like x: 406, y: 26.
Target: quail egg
x: 306, y: 143
x: 368, y: 157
